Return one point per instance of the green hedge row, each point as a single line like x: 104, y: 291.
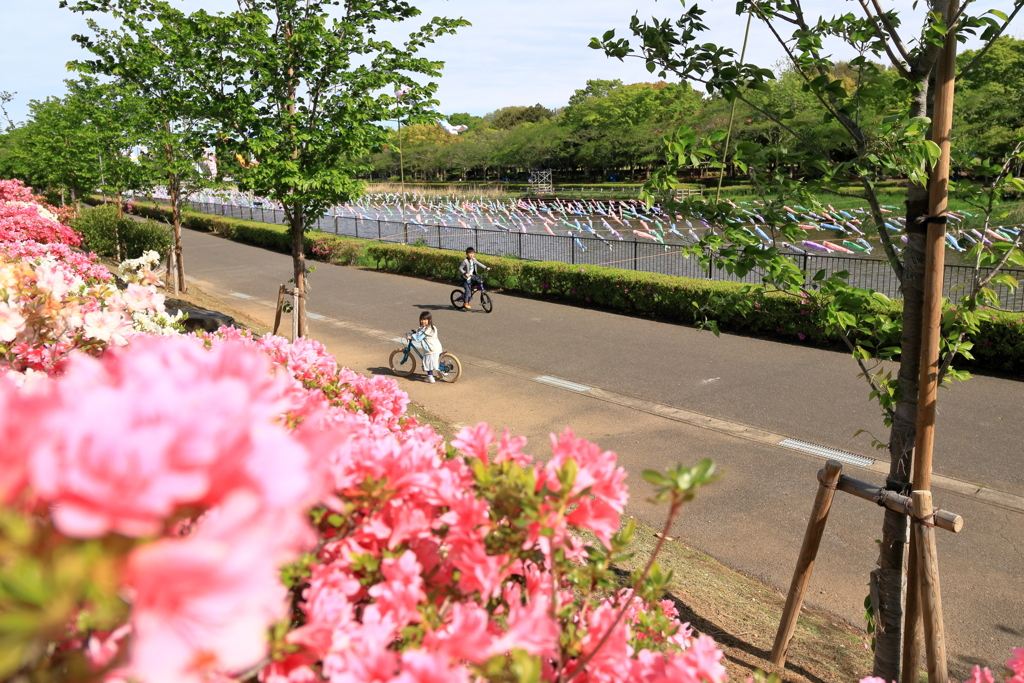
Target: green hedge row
x: 998, y: 348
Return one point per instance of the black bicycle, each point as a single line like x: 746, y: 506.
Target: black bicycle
x: 459, y: 297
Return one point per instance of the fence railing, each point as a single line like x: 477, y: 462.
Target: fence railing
x: 590, y: 192
x: 634, y: 255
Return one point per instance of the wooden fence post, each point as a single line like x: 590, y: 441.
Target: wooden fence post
x: 805, y: 562
x: 931, y: 597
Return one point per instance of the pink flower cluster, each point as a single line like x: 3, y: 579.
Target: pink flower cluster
x: 154, y: 433
x: 32, y: 222
x: 54, y: 299
x: 1014, y: 664
x: 429, y: 562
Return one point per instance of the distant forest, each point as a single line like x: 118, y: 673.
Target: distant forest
x: 613, y: 131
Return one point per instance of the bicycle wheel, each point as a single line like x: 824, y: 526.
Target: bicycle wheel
x: 449, y: 368
x: 485, y: 302
x: 401, y: 364
x: 458, y: 298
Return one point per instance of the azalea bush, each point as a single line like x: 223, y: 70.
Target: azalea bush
x: 54, y: 299
x: 188, y: 507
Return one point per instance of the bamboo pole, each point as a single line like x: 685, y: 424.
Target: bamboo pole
x: 944, y: 519
x: 931, y: 320
x: 931, y: 596
x: 805, y: 562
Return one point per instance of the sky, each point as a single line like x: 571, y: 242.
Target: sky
x: 517, y: 52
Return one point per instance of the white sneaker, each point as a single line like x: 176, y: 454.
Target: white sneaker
x: 429, y: 379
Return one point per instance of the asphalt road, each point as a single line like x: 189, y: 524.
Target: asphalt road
x: 754, y: 518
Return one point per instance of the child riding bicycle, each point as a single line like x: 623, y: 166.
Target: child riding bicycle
x: 468, y: 269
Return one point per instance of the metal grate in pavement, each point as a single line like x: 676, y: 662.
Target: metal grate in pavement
x: 827, y: 453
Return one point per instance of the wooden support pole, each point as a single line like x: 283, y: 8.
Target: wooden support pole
x: 911, y: 663
x: 805, y: 562
x: 295, y: 313
x: 944, y: 519
x: 172, y: 270
x: 931, y: 323
x: 280, y: 305
x: 931, y: 597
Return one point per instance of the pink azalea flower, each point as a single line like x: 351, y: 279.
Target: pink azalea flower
x: 398, y: 597
x: 102, y: 648
x: 294, y: 668
x: 427, y: 667
x: 979, y: 675
x: 475, y: 441
x: 203, y: 604
x: 130, y: 438
x: 11, y: 322
x: 139, y: 298
x: 107, y: 326
x: 701, y: 662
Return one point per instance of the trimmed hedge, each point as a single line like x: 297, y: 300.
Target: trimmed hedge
x: 108, y: 235
x: 999, y: 347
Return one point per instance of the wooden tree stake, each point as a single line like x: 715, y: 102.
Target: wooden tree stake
x: 280, y: 305
x: 931, y: 597
x: 912, y: 615
x: 805, y: 563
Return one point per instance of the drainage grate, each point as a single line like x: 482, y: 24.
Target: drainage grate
x: 561, y: 383
x: 240, y: 295
x: 827, y: 453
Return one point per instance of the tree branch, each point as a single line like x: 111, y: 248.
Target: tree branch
x: 891, y: 30
x: 1017, y: 6
x: 899, y: 64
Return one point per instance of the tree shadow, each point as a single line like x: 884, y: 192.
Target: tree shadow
x: 724, y: 638
x: 1007, y: 629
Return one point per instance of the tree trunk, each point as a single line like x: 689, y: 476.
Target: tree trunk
x: 299, y: 266
x: 175, y: 192
x: 174, y: 188
x: 887, y: 582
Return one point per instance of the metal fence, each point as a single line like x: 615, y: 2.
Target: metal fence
x: 648, y: 257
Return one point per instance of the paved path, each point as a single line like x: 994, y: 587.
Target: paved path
x: 658, y: 393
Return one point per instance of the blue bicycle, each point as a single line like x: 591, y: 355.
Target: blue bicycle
x: 403, y: 363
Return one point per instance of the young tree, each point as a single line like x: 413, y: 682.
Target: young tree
x: 874, y: 146
x: 154, y: 52
x: 298, y: 91
x: 119, y: 120
x: 59, y: 148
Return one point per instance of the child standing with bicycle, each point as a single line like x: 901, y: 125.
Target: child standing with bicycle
x: 468, y: 269
x: 427, y: 336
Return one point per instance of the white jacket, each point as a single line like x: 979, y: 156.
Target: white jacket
x: 427, y: 336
